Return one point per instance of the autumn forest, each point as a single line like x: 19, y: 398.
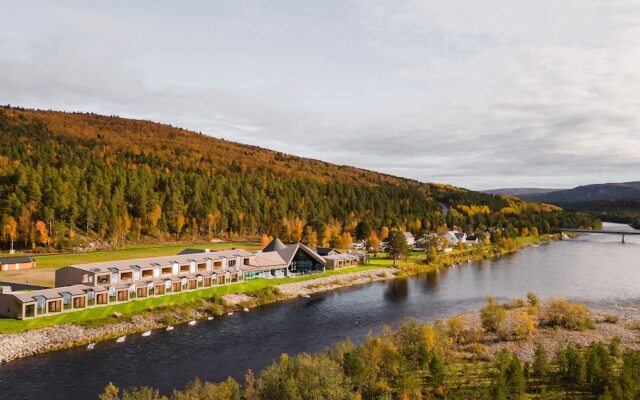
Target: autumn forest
x: 70, y: 178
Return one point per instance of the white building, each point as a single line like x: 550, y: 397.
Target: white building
x: 409, y: 238
x: 455, y: 237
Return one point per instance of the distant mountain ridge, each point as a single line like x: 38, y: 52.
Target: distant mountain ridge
x: 594, y: 192
x: 518, y: 191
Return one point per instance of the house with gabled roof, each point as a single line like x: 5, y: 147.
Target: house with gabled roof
x: 299, y: 258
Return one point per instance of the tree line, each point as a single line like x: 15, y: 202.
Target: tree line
x: 67, y: 178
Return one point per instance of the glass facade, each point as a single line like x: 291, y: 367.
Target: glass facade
x: 303, y: 263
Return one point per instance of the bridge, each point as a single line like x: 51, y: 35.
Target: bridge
x: 602, y: 232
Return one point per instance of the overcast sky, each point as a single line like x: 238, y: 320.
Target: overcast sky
x: 479, y: 94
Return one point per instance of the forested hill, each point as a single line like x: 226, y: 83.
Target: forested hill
x: 70, y: 177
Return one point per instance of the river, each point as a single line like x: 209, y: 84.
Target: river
x: 595, y: 269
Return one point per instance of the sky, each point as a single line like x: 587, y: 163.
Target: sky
x: 479, y: 94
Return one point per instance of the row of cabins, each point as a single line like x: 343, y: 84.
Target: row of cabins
x: 99, y: 284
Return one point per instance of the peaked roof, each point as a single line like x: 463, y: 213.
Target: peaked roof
x: 325, y: 251
x: 290, y: 251
x: 275, y: 245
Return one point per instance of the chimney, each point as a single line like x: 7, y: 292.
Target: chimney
x: 5, y: 289
x: 207, y: 250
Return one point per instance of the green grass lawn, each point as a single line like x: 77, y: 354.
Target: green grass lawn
x: 10, y: 325
x: 62, y: 260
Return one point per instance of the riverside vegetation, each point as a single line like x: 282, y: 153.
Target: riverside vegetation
x: 514, y: 350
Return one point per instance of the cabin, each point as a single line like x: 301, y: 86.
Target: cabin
x: 16, y: 263
x: 23, y: 305
x: 340, y: 261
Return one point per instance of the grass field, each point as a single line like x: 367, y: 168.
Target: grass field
x: 62, y: 260
x: 10, y: 325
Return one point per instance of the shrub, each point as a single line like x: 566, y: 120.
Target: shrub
x: 517, y: 303
x: 267, y: 295
x: 573, y: 316
x: 455, y: 329
x: 523, y: 326
x: 215, y: 309
x: 247, y: 304
x: 477, y: 349
x: 611, y: 319
x: 493, y: 316
x: 533, y: 299
x: 474, y: 334
x: 169, y: 320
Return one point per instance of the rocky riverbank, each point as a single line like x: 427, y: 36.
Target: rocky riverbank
x: 38, y: 341
x: 335, y: 282
x: 478, y: 342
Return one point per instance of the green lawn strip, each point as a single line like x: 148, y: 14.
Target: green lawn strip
x: 10, y: 325
x: 62, y: 260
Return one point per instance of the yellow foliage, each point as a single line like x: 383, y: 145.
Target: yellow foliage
x: 523, y: 326
x: 345, y: 240
x: 508, y: 210
x: 384, y: 233
x: 455, y: 328
x: 473, y: 210
x: 42, y: 232
x: 310, y: 236
x: 455, y: 213
x: 264, y: 241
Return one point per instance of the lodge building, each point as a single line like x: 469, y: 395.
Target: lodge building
x: 16, y: 263
x: 82, y: 286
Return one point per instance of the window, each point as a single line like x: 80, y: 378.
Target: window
x: 231, y: 263
x: 103, y: 279
x: 303, y: 263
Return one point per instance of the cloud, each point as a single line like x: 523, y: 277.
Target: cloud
x: 476, y: 94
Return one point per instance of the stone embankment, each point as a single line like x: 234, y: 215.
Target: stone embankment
x: 29, y: 343
x: 335, y: 282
